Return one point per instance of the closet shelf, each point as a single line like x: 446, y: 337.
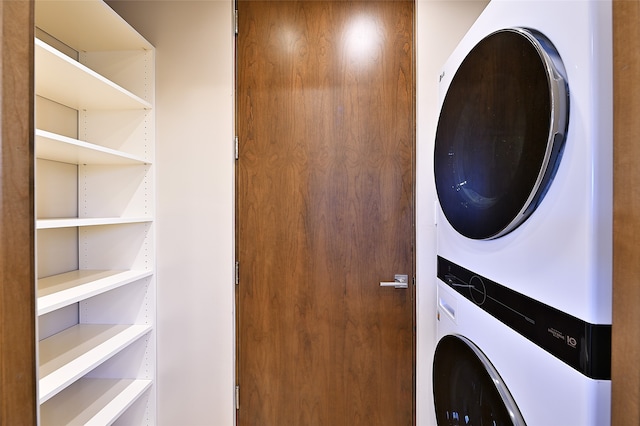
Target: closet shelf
x: 92, y: 401
x: 52, y: 146
x: 88, y: 221
x: 70, y: 354
x: 58, y: 291
x: 68, y: 82
x: 88, y: 25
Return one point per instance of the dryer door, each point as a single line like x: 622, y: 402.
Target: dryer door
x: 467, y: 389
x: 500, y: 133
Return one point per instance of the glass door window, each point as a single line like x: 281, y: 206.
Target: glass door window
x: 467, y: 389
x: 501, y: 133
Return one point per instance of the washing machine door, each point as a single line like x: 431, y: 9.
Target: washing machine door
x: 467, y: 389
x: 501, y: 133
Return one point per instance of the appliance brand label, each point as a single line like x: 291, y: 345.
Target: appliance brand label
x: 556, y: 333
x: 571, y: 341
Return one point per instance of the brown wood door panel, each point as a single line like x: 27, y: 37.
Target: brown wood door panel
x: 625, y: 340
x: 18, y: 386
x: 325, y: 211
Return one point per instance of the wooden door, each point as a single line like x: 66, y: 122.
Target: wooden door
x: 325, y: 212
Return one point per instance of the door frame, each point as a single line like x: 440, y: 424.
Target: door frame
x: 18, y: 378
x: 625, y: 376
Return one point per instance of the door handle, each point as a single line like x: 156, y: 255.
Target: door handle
x: 401, y: 281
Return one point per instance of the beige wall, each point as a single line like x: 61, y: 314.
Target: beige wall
x: 194, y: 79
x: 195, y: 169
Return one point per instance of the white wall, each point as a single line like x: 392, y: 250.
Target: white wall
x: 195, y: 241
x: 440, y: 25
x: 194, y: 99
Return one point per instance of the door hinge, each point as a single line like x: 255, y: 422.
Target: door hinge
x: 237, y: 273
x: 237, y: 397
x: 237, y: 147
x: 235, y: 21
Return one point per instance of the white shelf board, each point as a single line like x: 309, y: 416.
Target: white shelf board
x: 92, y: 402
x: 70, y: 354
x: 87, y: 25
x: 58, y: 291
x: 68, y: 82
x: 88, y: 221
x: 52, y: 146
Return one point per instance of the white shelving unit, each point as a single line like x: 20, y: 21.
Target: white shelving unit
x: 95, y: 204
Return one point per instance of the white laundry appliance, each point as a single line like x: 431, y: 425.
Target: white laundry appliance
x: 523, y: 170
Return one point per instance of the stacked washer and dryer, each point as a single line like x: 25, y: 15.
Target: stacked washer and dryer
x: 523, y: 169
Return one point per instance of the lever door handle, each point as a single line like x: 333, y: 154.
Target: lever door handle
x: 401, y: 281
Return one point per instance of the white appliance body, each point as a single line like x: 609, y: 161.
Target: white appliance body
x: 561, y: 255
x: 547, y: 391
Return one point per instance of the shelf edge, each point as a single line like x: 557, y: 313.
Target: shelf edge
x: 42, y: 136
x: 66, y: 297
x: 89, y: 221
x: 61, y: 378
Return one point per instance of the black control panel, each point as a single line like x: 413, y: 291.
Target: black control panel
x: 584, y: 346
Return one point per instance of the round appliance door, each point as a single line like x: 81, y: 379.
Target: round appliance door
x: 467, y: 389
x: 501, y: 132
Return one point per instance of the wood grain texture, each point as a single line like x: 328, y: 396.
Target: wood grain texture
x: 625, y: 374
x: 18, y: 404
x: 325, y: 211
